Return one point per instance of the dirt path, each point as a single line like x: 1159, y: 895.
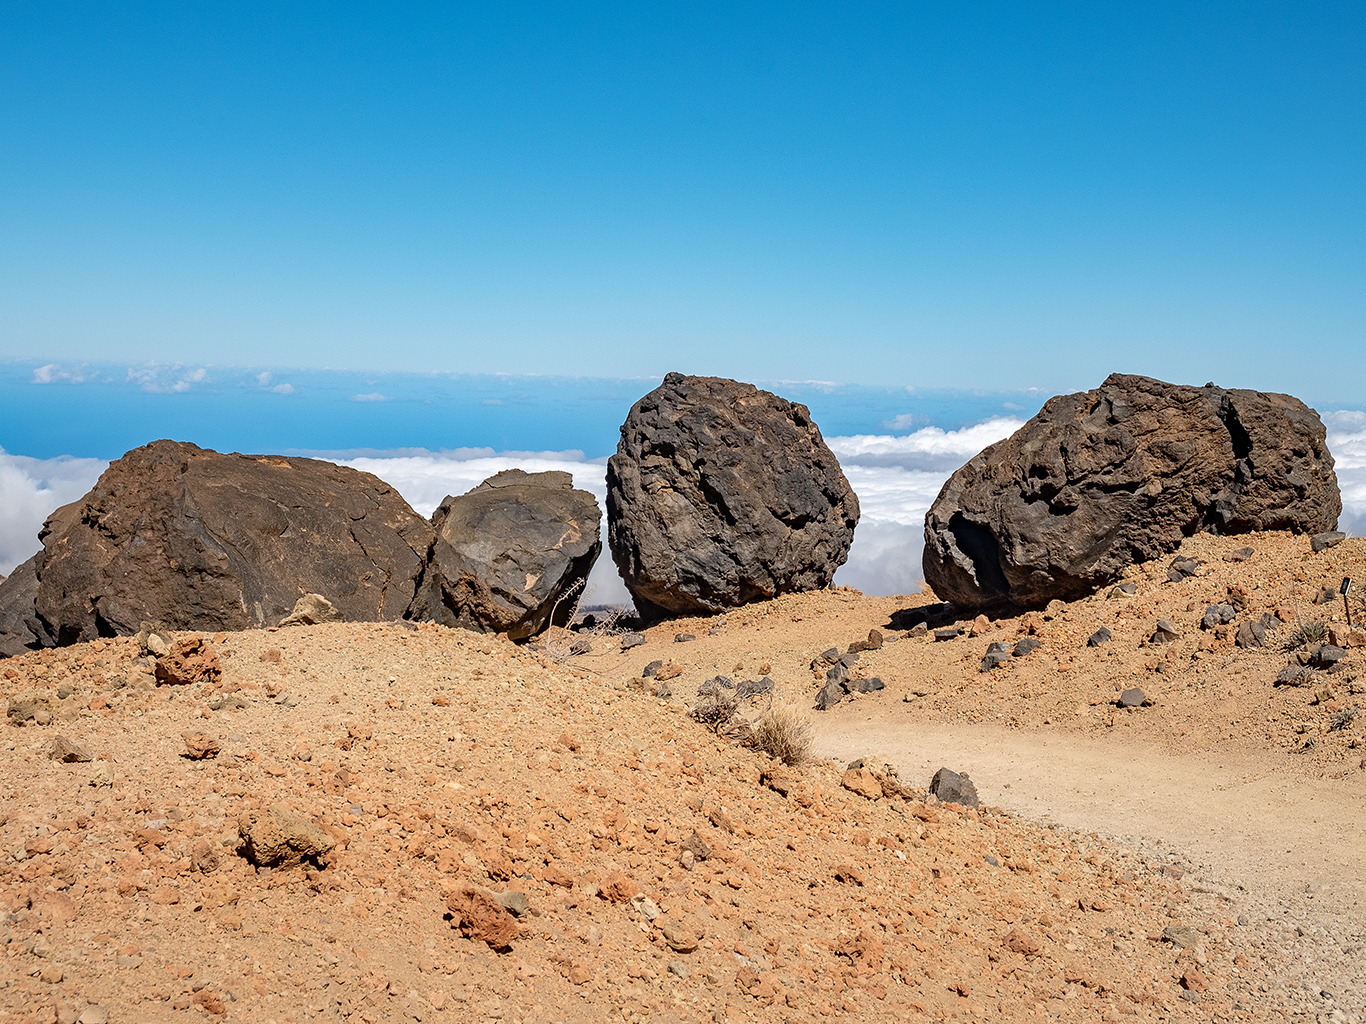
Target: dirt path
x: 1280, y: 837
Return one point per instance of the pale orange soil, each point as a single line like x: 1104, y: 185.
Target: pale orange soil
x: 440, y: 759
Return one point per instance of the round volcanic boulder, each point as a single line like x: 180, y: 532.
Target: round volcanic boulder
x: 1102, y: 479
x: 508, y: 551
x: 720, y: 494
x: 200, y: 540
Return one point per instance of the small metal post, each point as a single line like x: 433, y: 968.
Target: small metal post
x: 1345, y: 589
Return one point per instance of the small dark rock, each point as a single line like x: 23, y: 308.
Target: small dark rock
x: 867, y: 685
x: 830, y: 694
x: 683, y: 638
x: 1329, y: 655
x: 1217, y: 615
x: 1165, y: 632
x: 992, y: 861
x: 652, y: 669
x: 1026, y: 646
x: 1124, y: 590
x: 1251, y: 634
x: 1239, y: 555
x: 629, y: 640
x: 715, y: 685
x: 997, y: 654
x: 849, y: 660
x: 1100, y: 636
x: 919, y: 629
x: 1294, y: 675
x: 754, y: 688
x: 873, y: 643
x: 1185, y: 566
x: 948, y: 634
x: 950, y: 787
x: 1323, y: 541
x: 1132, y: 698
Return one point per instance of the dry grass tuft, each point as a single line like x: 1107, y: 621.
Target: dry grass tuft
x: 1305, y: 635
x: 784, y: 733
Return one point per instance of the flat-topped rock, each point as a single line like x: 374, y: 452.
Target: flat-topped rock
x: 200, y: 540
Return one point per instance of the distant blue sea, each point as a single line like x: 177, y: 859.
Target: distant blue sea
x: 103, y: 411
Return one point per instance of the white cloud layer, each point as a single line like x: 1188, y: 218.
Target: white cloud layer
x: 896, y: 477
x: 1347, y: 442
x: 30, y: 491
x: 156, y: 378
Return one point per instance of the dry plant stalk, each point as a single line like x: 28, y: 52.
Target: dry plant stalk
x: 561, y: 641
x: 784, y: 733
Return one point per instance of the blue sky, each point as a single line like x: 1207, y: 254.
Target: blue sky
x: 999, y: 196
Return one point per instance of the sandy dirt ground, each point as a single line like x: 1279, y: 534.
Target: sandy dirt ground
x: 488, y: 832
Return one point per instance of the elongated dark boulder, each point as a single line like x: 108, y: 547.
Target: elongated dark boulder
x: 201, y: 540
x: 18, y: 592
x: 1102, y: 479
x: 720, y: 494
x: 507, y: 551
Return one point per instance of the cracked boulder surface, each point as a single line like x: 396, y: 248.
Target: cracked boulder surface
x: 508, y: 552
x: 1104, y: 479
x: 721, y: 494
x: 197, y: 539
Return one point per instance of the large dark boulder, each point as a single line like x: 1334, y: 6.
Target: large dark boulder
x: 207, y: 541
x: 1102, y: 479
x: 507, y: 552
x: 18, y: 591
x: 720, y: 494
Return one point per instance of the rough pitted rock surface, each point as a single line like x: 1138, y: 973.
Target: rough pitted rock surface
x: 202, y: 540
x: 721, y: 494
x: 1103, y: 479
x: 507, y: 551
x: 18, y: 591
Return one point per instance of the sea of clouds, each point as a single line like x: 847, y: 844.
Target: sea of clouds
x: 896, y: 477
